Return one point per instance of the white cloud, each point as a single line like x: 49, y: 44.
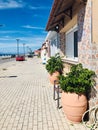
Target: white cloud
x: 31, y: 27
x: 31, y: 38
x: 39, y: 7
x: 5, y: 32
x: 10, y: 41
x: 44, y: 32
x: 11, y: 32
x: 38, y: 16
x: 6, y: 4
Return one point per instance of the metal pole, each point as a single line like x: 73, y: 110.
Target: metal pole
x: 17, y: 47
x: 24, y: 48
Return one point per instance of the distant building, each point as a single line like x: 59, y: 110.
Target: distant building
x: 37, y: 52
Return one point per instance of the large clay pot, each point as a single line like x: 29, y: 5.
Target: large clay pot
x: 53, y: 77
x: 74, y: 106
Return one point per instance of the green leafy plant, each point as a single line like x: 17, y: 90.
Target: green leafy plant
x: 79, y: 80
x: 55, y: 63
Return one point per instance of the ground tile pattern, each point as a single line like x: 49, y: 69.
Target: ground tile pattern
x: 26, y: 99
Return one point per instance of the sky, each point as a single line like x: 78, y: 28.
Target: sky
x: 25, y: 20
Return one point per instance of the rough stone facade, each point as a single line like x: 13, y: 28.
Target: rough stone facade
x: 62, y: 43
x: 95, y: 60
x: 84, y: 36
x: 88, y: 51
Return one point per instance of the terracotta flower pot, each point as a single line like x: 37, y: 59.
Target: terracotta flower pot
x: 74, y: 106
x: 53, y: 77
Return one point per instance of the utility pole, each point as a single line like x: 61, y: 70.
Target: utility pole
x: 24, y: 48
x: 17, y: 46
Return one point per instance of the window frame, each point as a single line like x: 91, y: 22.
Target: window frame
x: 72, y: 30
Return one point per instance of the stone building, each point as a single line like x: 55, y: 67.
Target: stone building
x: 76, y: 23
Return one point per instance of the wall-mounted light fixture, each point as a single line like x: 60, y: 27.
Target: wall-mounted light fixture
x: 57, y: 28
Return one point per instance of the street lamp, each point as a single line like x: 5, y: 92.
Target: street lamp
x: 24, y: 48
x: 17, y: 46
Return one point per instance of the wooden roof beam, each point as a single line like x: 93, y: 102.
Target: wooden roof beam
x: 67, y: 12
x: 60, y: 21
x: 83, y: 1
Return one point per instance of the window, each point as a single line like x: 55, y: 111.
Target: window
x: 72, y: 43
x: 76, y: 44
x: 54, y: 46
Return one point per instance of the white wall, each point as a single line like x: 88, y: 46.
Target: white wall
x: 53, y: 38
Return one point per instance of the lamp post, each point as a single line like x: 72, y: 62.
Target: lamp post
x: 24, y: 48
x: 17, y: 46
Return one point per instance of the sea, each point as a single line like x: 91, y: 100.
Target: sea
x: 7, y: 54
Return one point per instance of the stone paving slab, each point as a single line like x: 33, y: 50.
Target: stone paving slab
x: 26, y: 99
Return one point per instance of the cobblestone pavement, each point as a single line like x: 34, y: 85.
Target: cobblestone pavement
x: 26, y: 99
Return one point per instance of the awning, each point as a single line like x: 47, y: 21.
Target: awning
x: 60, y: 10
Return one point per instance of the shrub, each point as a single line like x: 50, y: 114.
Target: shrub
x: 55, y: 63
x: 78, y: 80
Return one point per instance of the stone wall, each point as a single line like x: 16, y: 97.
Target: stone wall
x: 95, y: 61
x: 62, y: 43
x: 84, y: 36
x: 88, y: 51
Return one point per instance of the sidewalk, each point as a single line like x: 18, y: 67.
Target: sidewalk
x: 26, y: 99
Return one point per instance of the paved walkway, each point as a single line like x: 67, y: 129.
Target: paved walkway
x: 26, y: 99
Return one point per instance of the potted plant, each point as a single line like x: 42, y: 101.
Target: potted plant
x: 54, y: 67
x: 76, y: 86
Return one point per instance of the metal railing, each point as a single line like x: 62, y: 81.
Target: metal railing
x: 93, y: 113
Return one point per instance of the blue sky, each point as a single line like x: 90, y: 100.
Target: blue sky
x: 23, y: 19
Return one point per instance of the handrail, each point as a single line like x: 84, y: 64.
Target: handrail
x: 94, y: 124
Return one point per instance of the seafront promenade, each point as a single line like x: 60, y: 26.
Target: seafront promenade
x: 6, y: 60
x: 26, y: 99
